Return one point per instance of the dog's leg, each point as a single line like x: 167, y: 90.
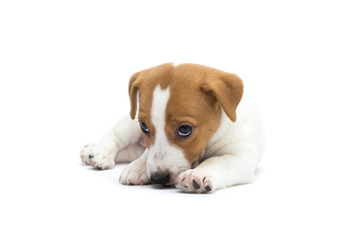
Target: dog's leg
x: 130, y: 153
x: 219, y: 172
x: 135, y: 172
x: 122, y: 143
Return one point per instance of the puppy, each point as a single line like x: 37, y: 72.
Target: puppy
x: 188, y: 127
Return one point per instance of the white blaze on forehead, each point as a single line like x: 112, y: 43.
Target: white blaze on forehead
x: 158, y: 108
x: 175, y: 64
x: 163, y: 156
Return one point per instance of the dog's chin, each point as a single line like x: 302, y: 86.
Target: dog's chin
x: 168, y: 185
x: 172, y: 181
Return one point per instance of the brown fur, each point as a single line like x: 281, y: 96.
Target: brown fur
x: 197, y: 95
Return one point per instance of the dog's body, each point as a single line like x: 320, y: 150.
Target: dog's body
x: 193, y: 132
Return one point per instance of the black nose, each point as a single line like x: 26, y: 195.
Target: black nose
x: 160, y: 177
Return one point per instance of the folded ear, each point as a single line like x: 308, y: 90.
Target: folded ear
x: 227, y: 89
x: 133, y: 90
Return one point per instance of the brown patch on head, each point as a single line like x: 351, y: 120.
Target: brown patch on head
x: 197, y: 96
x: 141, y: 87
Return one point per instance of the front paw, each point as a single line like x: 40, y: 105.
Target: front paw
x: 91, y: 155
x: 135, y: 174
x: 86, y: 153
x: 195, y: 181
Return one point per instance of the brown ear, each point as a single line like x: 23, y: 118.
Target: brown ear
x: 227, y: 89
x: 133, y: 90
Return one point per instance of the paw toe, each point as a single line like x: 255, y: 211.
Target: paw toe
x: 195, y: 184
x: 193, y: 181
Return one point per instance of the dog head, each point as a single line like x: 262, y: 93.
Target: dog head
x: 180, y: 108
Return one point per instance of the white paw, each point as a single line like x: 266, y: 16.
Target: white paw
x: 195, y: 181
x: 135, y: 174
x: 85, y: 153
x: 91, y: 154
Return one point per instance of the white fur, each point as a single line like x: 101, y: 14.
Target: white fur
x: 163, y: 156
x: 135, y: 172
x: 230, y: 157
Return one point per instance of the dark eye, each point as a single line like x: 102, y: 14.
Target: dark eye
x: 144, y: 127
x: 184, y: 130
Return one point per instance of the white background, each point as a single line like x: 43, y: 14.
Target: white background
x: 64, y: 69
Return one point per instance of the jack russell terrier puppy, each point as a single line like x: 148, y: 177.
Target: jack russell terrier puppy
x: 187, y: 127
